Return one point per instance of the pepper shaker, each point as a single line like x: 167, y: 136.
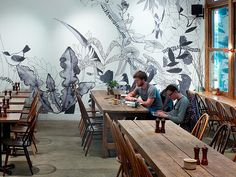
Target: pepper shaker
x: 4, y: 111
x: 0, y: 111
x: 5, y: 92
x: 163, y: 126
x: 3, y: 101
x: 7, y: 105
x: 10, y: 94
x: 157, y: 130
x: 204, y: 155
x: 196, y: 154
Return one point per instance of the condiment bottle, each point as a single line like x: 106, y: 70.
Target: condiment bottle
x: 10, y: 93
x: 204, y: 155
x: 196, y: 154
x: 157, y: 130
x: 4, y: 111
x: 0, y: 111
x: 163, y: 126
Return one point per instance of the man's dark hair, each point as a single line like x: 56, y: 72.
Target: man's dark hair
x: 140, y: 75
x: 172, y: 88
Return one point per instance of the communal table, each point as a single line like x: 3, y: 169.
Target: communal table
x: 11, y: 118
x: 18, y: 95
x: 15, y: 101
x: 165, y: 152
x: 116, y: 112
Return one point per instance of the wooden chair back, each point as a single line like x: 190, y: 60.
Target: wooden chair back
x: 143, y: 169
x: 211, y: 110
x: 84, y: 113
x: 33, y: 107
x: 200, y: 127
x: 221, y: 137
x: 121, y: 148
x: 233, y: 113
x: 222, y: 113
x: 201, y: 104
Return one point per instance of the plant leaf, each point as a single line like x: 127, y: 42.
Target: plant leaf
x: 187, y: 43
x: 28, y: 76
x: 172, y: 64
x: 174, y: 70
x: 44, y: 101
x: 190, y: 29
x: 171, y: 55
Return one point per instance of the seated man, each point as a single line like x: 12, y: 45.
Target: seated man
x: 149, y: 95
x: 177, y: 115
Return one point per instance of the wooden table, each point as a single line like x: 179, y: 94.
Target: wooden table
x: 15, y: 108
x: 15, y: 101
x: 19, y: 95
x: 226, y: 101
x: 116, y: 112
x: 165, y: 152
x: 11, y: 118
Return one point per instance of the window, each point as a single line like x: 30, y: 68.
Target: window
x: 221, y: 46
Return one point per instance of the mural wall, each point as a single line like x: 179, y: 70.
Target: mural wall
x: 51, y: 45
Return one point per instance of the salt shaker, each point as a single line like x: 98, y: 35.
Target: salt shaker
x: 4, y: 111
x: 0, y: 111
x: 5, y: 92
x: 163, y: 126
x: 157, y: 130
x: 204, y: 155
x: 10, y: 94
x: 7, y: 105
x: 3, y: 101
x: 196, y: 154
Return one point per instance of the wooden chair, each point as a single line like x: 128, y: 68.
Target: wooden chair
x: 221, y: 137
x: 201, y: 104
x: 21, y: 142
x: 213, y: 115
x: 20, y: 127
x: 200, y: 126
x: 233, y: 121
x: 233, y: 113
x: 142, y: 167
x: 92, y: 127
x: 222, y: 113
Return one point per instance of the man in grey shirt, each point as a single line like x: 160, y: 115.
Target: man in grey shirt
x: 177, y: 115
x: 149, y: 95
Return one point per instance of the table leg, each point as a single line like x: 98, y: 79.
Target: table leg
x: 104, y: 137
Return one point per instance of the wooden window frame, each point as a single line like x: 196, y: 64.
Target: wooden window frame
x: 209, y: 6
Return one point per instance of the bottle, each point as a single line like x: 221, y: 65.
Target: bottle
x: 0, y: 111
x: 3, y: 101
x: 4, y: 111
x: 10, y: 94
x: 204, y: 155
x: 196, y: 154
x: 157, y: 130
x: 163, y: 126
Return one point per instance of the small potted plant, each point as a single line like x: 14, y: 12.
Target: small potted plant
x: 110, y: 86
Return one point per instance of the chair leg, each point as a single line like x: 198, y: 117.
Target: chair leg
x: 84, y: 137
x: 8, y: 152
x: 28, y: 160
x: 86, y: 140
x: 34, y: 143
x: 119, y: 171
x: 89, y: 143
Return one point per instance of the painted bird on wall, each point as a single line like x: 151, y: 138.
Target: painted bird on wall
x: 16, y: 58
x: 185, y: 83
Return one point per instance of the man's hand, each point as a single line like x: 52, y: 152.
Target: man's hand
x: 162, y: 114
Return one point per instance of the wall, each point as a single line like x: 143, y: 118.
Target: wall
x: 91, y: 42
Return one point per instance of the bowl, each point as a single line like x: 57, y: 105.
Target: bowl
x: 190, y: 164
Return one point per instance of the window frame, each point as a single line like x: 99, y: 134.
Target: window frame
x: 209, y: 7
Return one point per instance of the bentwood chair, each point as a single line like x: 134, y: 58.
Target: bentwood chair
x: 200, y: 127
x: 222, y: 113
x: 201, y: 104
x: 221, y: 137
x: 22, y: 142
x: 92, y: 127
x: 213, y: 115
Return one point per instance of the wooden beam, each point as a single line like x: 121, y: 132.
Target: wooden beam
x: 231, y: 46
x: 207, y: 68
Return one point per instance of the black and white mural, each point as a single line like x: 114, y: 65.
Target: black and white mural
x: 160, y: 37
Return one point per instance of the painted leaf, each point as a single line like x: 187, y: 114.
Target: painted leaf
x: 187, y: 43
x: 182, y: 40
x: 28, y: 76
x: 172, y: 64
x: 174, y: 70
x: 85, y: 87
x: 69, y: 63
x: 54, y: 95
x: 190, y: 29
x: 188, y: 59
x: 17, y: 58
x: 6, y: 53
x: 44, y: 101
x: 171, y: 55
x: 107, y: 76
x: 184, y: 55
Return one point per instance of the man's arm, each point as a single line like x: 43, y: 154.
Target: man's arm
x: 146, y: 103
x: 131, y: 96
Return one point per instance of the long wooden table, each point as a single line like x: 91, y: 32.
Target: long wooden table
x: 105, y: 105
x: 165, y: 152
x: 15, y: 101
x: 19, y: 95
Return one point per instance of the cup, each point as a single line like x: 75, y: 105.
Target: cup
x: 115, y: 101
x: 190, y: 164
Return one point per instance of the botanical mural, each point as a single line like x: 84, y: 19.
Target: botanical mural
x: 169, y: 50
